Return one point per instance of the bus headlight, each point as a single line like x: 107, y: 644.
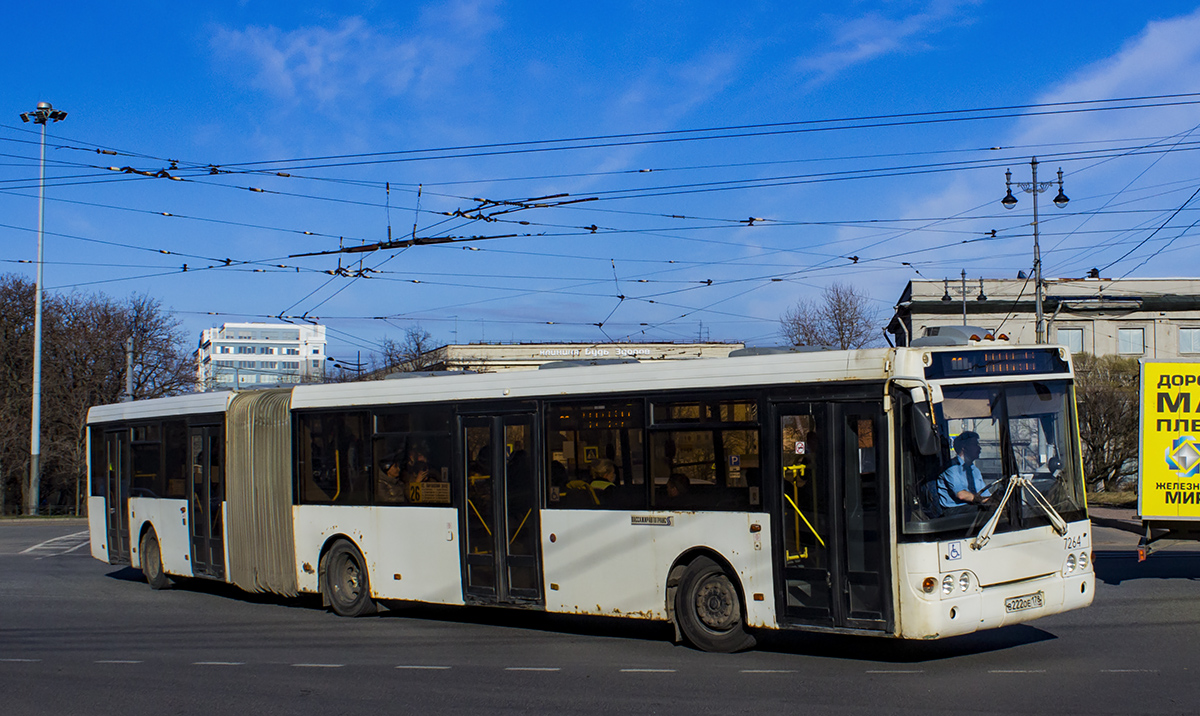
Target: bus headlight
x: 1070, y: 563
x: 1083, y: 560
x: 948, y: 584
x: 964, y: 581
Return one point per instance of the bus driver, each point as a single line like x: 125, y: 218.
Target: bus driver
x: 961, y: 483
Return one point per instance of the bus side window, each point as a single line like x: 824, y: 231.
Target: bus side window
x: 412, y: 456
x: 175, y: 450
x: 334, y: 461
x: 596, y: 456
x: 146, y: 460
x: 705, y: 469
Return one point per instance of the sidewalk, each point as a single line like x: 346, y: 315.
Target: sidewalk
x: 1120, y: 518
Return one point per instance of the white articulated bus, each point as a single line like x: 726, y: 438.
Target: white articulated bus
x: 797, y: 490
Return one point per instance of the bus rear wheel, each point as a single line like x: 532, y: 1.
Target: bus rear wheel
x: 152, y: 568
x: 708, y: 609
x: 347, y: 587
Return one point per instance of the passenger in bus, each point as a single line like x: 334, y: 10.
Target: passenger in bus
x: 961, y: 483
x: 604, y: 475
x: 416, y: 466
x: 674, y: 493
x: 678, y: 485
x: 389, y: 487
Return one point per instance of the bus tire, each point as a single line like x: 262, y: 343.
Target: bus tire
x: 708, y: 609
x: 152, y: 568
x: 346, y: 585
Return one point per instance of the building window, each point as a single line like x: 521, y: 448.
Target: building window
x: 1189, y: 340
x: 1072, y: 338
x: 1130, y: 341
x: 293, y: 351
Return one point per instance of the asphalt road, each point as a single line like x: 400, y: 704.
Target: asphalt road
x: 81, y: 637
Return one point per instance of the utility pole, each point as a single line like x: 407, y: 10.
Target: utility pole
x: 43, y: 115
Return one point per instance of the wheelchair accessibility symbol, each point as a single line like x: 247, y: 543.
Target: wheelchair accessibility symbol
x: 955, y: 551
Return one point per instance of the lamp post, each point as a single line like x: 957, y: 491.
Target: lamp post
x: 1009, y: 201
x: 43, y: 115
x: 947, y: 298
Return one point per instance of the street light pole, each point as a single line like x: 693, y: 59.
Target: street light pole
x: 1009, y: 201
x: 43, y: 115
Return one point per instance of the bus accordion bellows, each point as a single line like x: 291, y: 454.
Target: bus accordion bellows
x: 798, y: 490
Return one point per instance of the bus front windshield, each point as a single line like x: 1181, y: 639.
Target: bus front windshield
x: 990, y: 433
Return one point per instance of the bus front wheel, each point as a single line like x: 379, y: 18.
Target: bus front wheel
x: 709, y: 610
x: 347, y: 587
x: 152, y: 568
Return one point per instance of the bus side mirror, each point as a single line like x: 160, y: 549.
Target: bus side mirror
x: 924, y: 432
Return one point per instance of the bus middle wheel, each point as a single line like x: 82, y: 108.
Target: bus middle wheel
x: 152, y: 568
x: 346, y: 585
x: 709, y: 610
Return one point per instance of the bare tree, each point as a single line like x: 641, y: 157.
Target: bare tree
x: 83, y: 364
x: 842, y: 318
x: 1106, y: 390
x: 410, y: 353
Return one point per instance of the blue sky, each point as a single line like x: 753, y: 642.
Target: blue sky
x: 349, y: 98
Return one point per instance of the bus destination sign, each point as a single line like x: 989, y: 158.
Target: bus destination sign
x: 1009, y: 361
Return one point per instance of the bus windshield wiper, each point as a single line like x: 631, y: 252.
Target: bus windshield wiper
x: 1056, y: 520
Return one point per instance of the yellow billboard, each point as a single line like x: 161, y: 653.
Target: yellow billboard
x: 1169, y: 449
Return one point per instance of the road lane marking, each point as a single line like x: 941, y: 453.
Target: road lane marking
x: 1129, y: 671
x: 423, y: 667
x: 319, y: 666
x: 1016, y: 671
x: 118, y: 661
x: 57, y: 543
x: 22, y: 661
x: 218, y: 663
x: 532, y: 668
x: 647, y: 671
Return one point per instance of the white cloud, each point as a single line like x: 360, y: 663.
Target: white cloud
x: 874, y: 35
x: 1163, y: 59
x: 332, y: 65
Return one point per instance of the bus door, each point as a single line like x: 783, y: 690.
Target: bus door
x: 500, y: 522
x: 832, y: 538
x: 206, y: 490
x: 116, y: 494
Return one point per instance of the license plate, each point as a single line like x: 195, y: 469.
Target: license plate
x: 1027, y: 601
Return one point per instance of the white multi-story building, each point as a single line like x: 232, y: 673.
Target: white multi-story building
x: 259, y: 355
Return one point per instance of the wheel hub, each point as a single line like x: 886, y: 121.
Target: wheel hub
x: 716, y: 604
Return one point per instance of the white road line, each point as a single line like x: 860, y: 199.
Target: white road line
x: 1129, y: 671
x: 218, y: 663
x: 768, y: 671
x: 895, y: 671
x: 1016, y: 671
x: 532, y: 668
x: 22, y: 661
x: 647, y: 671
x: 423, y: 667
x: 51, y: 542
x: 117, y: 661
x: 319, y: 666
